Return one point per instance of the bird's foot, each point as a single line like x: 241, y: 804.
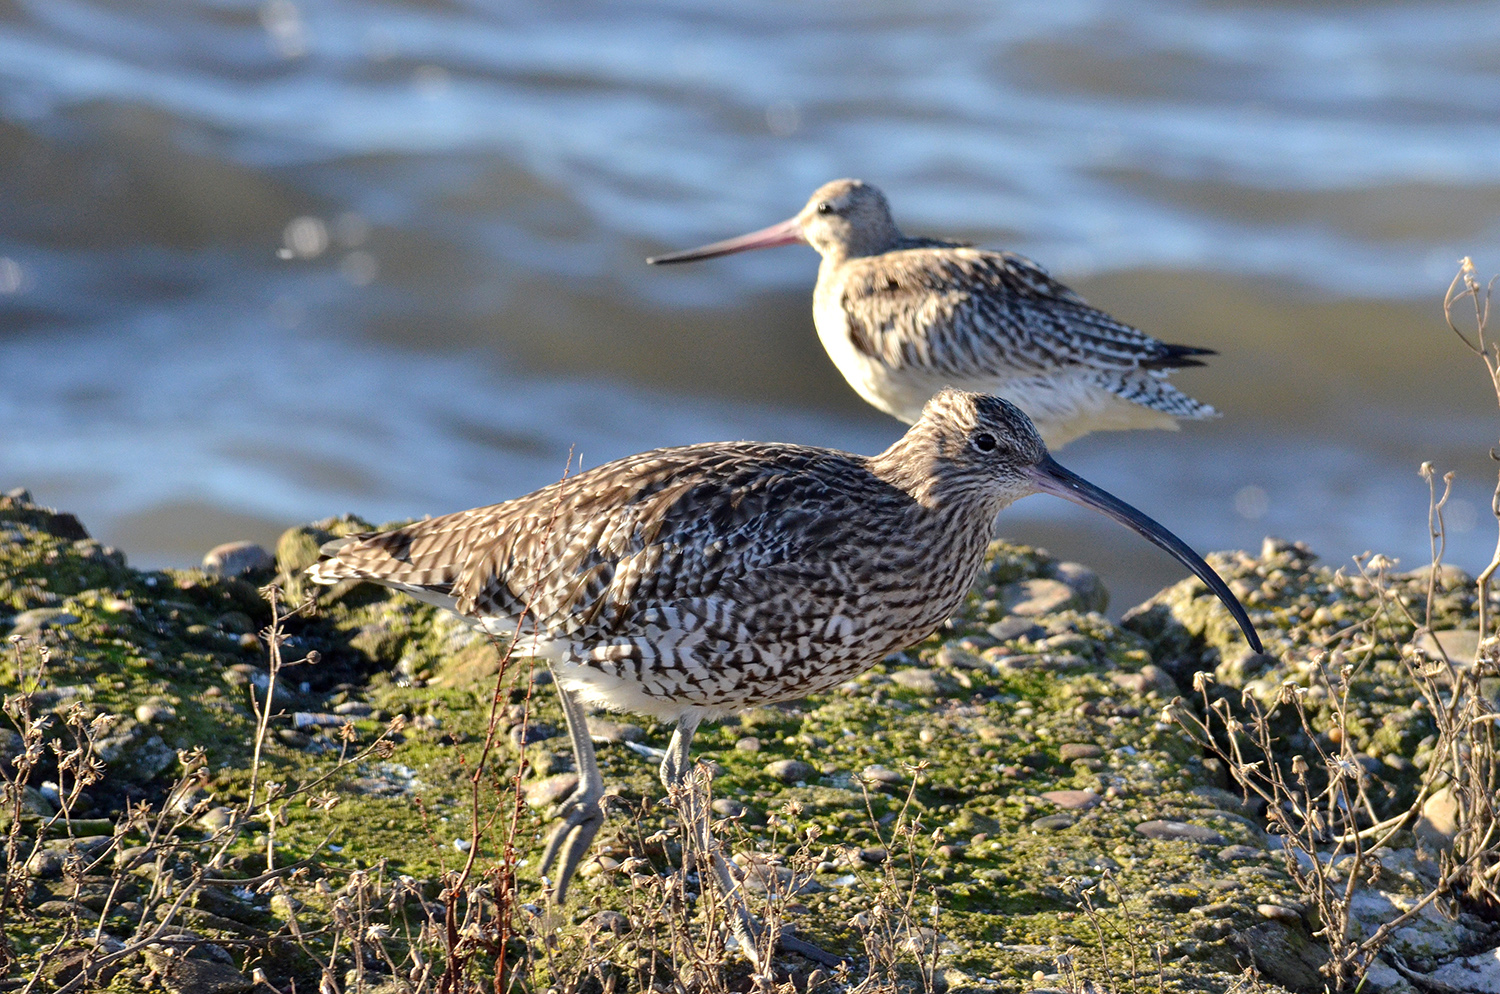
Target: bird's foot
x: 582, y: 817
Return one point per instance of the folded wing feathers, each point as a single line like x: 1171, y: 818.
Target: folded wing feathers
x: 955, y: 307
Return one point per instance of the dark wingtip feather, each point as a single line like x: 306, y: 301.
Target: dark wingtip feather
x: 1176, y: 357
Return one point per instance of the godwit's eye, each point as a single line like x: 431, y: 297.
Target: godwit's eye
x: 985, y: 442
x: 825, y: 207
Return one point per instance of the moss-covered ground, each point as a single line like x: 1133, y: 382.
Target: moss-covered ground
x: 1030, y: 747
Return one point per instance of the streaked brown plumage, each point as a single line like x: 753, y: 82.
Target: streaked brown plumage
x: 690, y: 582
x: 903, y: 317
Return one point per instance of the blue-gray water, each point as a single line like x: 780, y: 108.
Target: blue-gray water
x: 261, y: 263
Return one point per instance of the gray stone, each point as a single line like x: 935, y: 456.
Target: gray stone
x: 790, y: 770
x: 45, y: 864
x: 1285, y: 955
x: 292, y: 737
x: 609, y: 921
x: 1030, y: 598
x: 613, y: 732
x: 1460, y: 644
x: 1278, y: 913
x: 155, y: 714
x: 926, y: 683
x: 11, y: 745
x: 728, y: 807
x: 1053, y: 823
x: 1478, y: 974
x: 881, y: 775
x: 1234, y: 854
x: 1015, y: 627
x: 1090, y: 590
x: 1079, y: 750
x: 187, y: 975
x: 1150, y: 679
x: 1181, y: 831
x: 1072, y: 800
x: 748, y: 744
x: 547, y: 792
x: 353, y: 709
x: 525, y: 735
x: 237, y: 559
x: 216, y: 818
x: 42, y: 618
x: 955, y: 658
x: 765, y: 878
x: 1439, y: 822
x: 1220, y: 798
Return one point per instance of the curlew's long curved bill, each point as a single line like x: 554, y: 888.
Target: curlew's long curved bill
x: 788, y: 232
x: 1052, y: 478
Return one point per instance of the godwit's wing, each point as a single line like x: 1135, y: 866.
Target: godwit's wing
x: 972, y: 315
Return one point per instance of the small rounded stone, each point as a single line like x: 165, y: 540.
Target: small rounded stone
x: 790, y: 770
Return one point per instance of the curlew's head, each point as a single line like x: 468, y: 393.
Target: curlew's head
x: 983, y: 452
x: 843, y: 219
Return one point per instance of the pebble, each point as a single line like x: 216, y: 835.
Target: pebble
x: 41, y: 618
x: 609, y: 921
x: 293, y: 738
x: 955, y: 658
x: 1073, y: 800
x: 1222, y: 799
x: 1086, y: 585
x: 237, y: 559
x: 882, y: 775
x: 728, y: 807
x: 524, y: 735
x: 1015, y: 627
x: 1150, y: 679
x: 1030, y: 598
x: 216, y: 818
x: 155, y: 714
x: 1053, y: 823
x: 547, y: 792
x: 353, y: 709
x: 1278, y: 913
x: 1079, y: 750
x: 951, y: 851
x: 748, y: 744
x: 316, y: 719
x: 873, y: 856
x: 1180, y: 830
x: 790, y: 770
x: 45, y: 864
x: 608, y: 732
x: 918, y: 681
x: 1233, y: 854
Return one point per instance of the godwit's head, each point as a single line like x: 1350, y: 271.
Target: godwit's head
x: 843, y: 219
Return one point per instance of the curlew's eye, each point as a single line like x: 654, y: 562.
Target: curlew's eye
x: 824, y: 207
x: 985, y: 442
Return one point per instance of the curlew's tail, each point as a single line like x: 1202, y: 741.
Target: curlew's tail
x: 424, y: 559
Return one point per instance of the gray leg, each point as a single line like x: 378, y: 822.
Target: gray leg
x: 674, y: 771
x: 581, y: 812
x: 749, y: 932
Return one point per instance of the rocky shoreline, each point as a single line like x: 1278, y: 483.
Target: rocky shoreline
x: 1056, y: 804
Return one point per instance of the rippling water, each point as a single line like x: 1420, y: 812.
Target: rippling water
x: 261, y: 263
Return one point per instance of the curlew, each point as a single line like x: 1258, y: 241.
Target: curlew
x: 690, y: 583
x: 902, y: 318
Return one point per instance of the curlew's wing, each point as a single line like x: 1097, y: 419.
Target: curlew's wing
x: 594, y: 555
x: 967, y: 313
